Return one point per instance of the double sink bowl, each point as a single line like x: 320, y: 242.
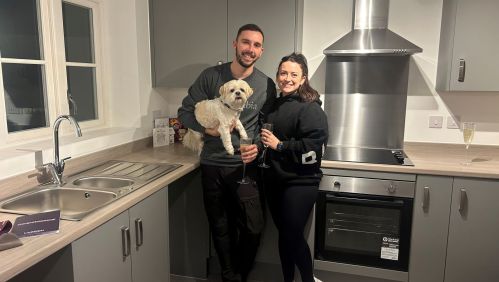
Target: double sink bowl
x: 87, y: 191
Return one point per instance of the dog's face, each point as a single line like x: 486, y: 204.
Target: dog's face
x: 235, y: 93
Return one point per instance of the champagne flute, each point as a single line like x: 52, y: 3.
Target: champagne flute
x: 269, y: 127
x: 242, y: 143
x: 468, y: 134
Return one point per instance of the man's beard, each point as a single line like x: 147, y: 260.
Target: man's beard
x: 242, y: 63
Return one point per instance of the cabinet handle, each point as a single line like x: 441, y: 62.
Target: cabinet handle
x: 426, y: 198
x: 462, y: 70
x: 139, y: 232
x: 125, y: 240
x: 462, y: 199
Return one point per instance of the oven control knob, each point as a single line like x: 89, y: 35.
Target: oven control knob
x: 392, y: 188
x: 336, y: 185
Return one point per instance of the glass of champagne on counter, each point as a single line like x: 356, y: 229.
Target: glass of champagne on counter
x: 468, y: 133
x: 242, y: 143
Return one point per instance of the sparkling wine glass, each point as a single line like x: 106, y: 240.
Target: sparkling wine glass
x: 242, y: 143
x: 269, y: 127
x: 468, y: 133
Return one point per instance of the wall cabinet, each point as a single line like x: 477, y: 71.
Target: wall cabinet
x: 132, y: 246
x: 188, y: 36
x: 473, y: 248
x: 468, y: 59
x: 430, y: 228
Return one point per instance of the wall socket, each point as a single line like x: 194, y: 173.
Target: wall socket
x: 435, y: 121
x: 451, y: 123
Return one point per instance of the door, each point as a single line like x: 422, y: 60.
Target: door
x: 98, y: 256
x: 430, y: 226
x: 475, y: 41
x: 186, y: 37
x: 473, y: 248
x: 149, y: 225
x: 277, y: 19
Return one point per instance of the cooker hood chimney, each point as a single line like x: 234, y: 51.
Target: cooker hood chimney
x: 370, y: 35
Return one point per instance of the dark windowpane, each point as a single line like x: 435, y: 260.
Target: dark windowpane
x: 25, y: 101
x: 82, y: 94
x: 78, y: 37
x: 19, y: 36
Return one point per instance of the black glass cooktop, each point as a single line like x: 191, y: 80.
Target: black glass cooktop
x: 367, y: 155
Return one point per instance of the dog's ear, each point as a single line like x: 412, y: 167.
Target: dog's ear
x: 224, y: 89
x: 248, y: 89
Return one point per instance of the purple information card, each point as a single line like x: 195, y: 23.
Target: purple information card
x: 37, y: 224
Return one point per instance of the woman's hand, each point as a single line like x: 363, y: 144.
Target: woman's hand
x: 249, y: 153
x: 269, y: 139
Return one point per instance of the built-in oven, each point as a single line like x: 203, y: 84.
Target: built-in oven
x: 364, y: 221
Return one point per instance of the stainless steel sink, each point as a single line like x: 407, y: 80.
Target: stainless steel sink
x: 87, y: 191
x: 103, y: 182
x: 74, y: 203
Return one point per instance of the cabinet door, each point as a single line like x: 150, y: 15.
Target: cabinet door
x: 430, y: 228
x: 98, y: 256
x: 277, y: 19
x: 473, y: 248
x: 475, y: 40
x: 150, y: 247
x: 186, y: 37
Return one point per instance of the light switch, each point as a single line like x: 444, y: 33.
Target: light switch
x: 435, y: 121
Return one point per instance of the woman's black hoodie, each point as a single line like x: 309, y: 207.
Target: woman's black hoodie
x: 303, y: 130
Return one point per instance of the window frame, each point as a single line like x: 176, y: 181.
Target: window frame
x: 50, y: 21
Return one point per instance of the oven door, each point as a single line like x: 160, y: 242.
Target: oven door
x: 361, y: 229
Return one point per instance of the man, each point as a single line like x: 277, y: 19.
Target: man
x: 235, y: 225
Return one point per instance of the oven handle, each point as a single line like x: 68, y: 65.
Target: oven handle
x: 394, y: 203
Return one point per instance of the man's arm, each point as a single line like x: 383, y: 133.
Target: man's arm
x: 196, y: 93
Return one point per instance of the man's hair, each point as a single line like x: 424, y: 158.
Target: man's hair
x: 252, y: 27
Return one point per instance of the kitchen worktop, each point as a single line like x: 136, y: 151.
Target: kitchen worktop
x: 35, y: 249
x: 435, y: 159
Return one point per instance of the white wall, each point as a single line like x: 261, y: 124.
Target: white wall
x: 133, y: 100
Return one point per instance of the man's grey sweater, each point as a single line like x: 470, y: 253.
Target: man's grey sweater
x: 207, y: 86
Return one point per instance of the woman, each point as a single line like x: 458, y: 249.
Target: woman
x: 300, y: 131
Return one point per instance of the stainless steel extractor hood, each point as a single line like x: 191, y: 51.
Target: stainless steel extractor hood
x: 370, y: 34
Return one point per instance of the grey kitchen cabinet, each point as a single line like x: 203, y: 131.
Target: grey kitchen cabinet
x: 430, y: 228
x: 468, y: 59
x: 277, y: 19
x: 189, y: 36
x: 473, y: 248
x: 186, y: 37
x: 132, y: 246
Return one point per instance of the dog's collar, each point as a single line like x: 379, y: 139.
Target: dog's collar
x: 228, y: 106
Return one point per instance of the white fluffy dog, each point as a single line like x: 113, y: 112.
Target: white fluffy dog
x: 223, y: 112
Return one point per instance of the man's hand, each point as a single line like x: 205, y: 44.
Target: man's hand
x: 249, y: 153
x: 214, y: 131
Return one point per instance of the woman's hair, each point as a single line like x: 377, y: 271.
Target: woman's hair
x: 305, y: 91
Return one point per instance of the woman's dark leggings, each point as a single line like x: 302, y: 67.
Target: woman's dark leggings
x: 290, y: 206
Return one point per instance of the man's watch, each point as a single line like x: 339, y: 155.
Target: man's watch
x: 279, y: 147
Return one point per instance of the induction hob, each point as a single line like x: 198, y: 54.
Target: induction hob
x: 367, y: 155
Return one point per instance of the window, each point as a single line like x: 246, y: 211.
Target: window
x: 49, y: 60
